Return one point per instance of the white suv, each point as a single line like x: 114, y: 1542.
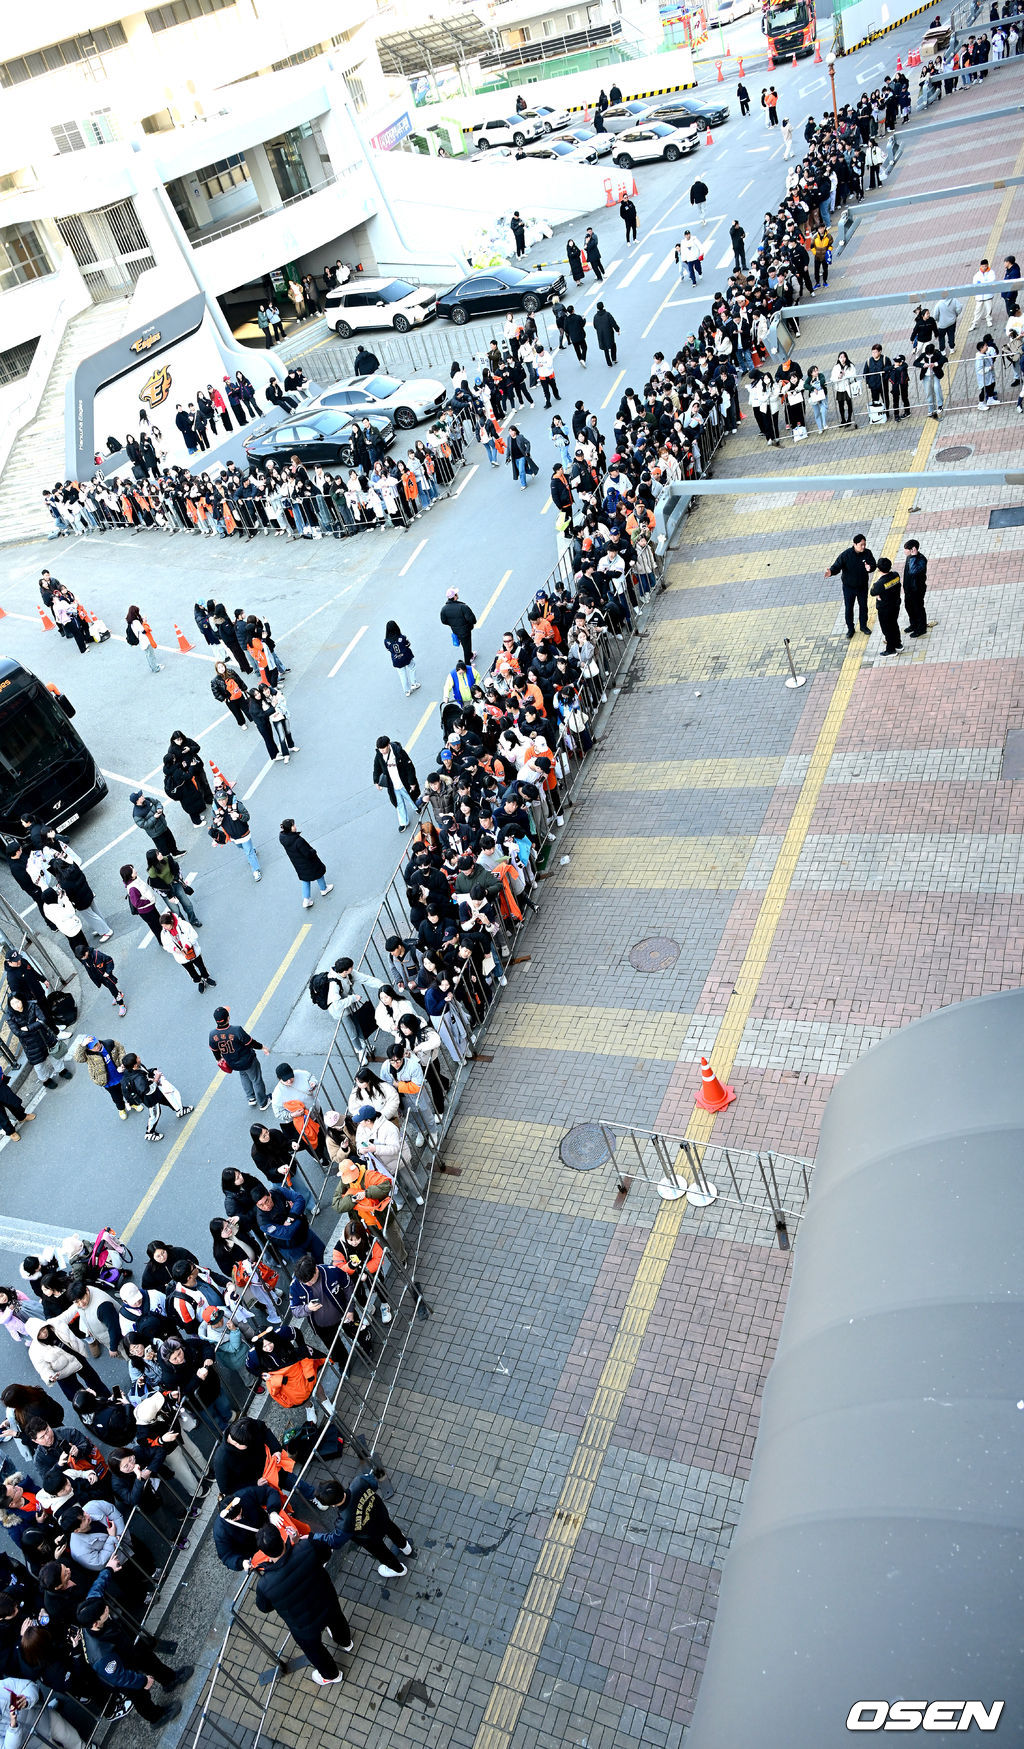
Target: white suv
x: 656, y: 140
x: 508, y: 130
x: 378, y: 303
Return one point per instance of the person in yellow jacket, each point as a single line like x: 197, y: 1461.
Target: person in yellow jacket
x: 821, y: 249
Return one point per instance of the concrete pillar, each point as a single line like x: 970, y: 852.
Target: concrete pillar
x: 262, y: 177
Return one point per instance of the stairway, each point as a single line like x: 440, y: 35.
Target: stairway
x: 37, y: 454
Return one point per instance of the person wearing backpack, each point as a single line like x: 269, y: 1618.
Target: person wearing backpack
x: 137, y: 633
x: 227, y: 689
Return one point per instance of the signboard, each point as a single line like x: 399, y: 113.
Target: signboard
x: 389, y: 137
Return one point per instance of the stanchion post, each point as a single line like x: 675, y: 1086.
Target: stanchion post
x: 795, y: 679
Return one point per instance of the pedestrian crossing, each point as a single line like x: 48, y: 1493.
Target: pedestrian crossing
x: 635, y: 271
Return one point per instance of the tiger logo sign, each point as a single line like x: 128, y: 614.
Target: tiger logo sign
x: 157, y: 387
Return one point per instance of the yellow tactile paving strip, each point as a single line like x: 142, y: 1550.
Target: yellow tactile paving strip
x: 752, y: 567
x: 614, y: 1032
x: 732, y: 646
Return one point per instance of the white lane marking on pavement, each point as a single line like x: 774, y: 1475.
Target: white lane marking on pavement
x: 190, y: 877
x: 31, y: 1237
x: 147, y: 937
x: 132, y: 782
x: 638, y: 266
x: 815, y: 85
x: 777, y: 150
x: 661, y: 226
x: 726, y: 260
x: 324, y: 604
x: 258, y: 779
x: 411, y: 560
x: 466, y: 481
x: 495, y: 595
x: 114, y: 842
x: 869, y: 73
x: 421, y: 725
x: 669, y: 261
x: 347, y: 651
x: 719, y: 155
x: 612, y: 390
x: 758, y: 148
x: 743, y: 190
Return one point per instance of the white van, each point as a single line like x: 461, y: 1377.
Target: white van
x: 503, y: 130
x: 378, y: 303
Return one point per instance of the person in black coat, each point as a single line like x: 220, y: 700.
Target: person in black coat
x: 24, y: 980
x: 272, y: 1153
x: 241, y: 1192
x: 162, y: 1258
x: 31, y: 1026
x: 460, y: 619
x: 18, y: 853
x: 391, y: 759
x: 294, y: 1585
x: 185, y: 777
x: 365, y: 362
x: 606, y: 328
x: 305, y: 861
x: 239, y: 1521
x: 243, y: 1454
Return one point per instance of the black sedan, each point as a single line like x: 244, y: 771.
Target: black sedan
x: 494, y: 290
x: 677, y: 111
x: 324, y: 436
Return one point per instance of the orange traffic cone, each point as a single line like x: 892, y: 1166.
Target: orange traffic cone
x: 728, y: 51
x: 899, y: 64
x: 3, y: 613
x: 712, y: 1096
x: 183, y: 644
x: 794, y: 60
x: 709, y: 141
x: 48, y: 625
x: 739, y: 68
x: 771, y: 60
x: 817, y: 53
x: 721, y: 75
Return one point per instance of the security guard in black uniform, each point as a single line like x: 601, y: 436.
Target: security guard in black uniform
x: 127, y: 1665
x: 886, y: 590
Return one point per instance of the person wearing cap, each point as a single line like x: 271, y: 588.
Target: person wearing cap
x: 365, y: 1192
x: 123, y: 1660
x: 460, y: 619
x: 293, y: 1585
x: 236, y: 1049
x: 160, y: 1442
x: 294, y: 1102
x: 379, y: 1141
x: 143, y: 1310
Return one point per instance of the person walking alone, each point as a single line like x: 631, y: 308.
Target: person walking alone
x: 179, y: 939
x: 743, y: 96
x: 787, y: 138
x: 688, y: 253
x: 305, y: 861
x: 395, y: 772
x: 606, y: 328
x: 627, y: 213
x: 737, y: 237
x: 698, y: 198
x: 576, y: 334
x: 137, y: 632
x: 519, y: 457
x: 403, y: 661
x: 460, y: 619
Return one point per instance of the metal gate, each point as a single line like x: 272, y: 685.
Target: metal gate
x: 111, y: 248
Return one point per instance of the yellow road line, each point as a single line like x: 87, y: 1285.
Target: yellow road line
x: 219, y: 1079
x: 421, y: 725
x: 494, y: 598
x: 519, y: 1664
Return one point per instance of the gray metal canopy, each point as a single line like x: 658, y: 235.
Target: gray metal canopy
x: 880, y: 1551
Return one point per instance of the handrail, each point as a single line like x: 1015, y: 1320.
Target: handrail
x: 267, y: 212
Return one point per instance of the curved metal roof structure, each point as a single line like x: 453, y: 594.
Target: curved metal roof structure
x: 880, y: 1552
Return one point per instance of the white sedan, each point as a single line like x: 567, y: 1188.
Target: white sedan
x: 405, y: 401
x: 625, y: 115
x: 657, y: 140
x: 588, y: 136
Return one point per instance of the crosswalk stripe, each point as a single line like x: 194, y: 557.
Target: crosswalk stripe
x: 638, y: 266
x: 726, y: 260
x: 669, y: 261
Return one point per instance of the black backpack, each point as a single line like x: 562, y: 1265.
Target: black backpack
x: 319, y: 990
x: 300, y: 1441
x: 130, y: 636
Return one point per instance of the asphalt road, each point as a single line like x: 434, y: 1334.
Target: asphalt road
x: 78, y: 1167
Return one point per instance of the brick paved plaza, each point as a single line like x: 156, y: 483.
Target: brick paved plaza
x: 573, y: 1429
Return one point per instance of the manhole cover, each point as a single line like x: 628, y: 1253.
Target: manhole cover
x: 655, y: 954
x: 957, y: 452
x: 586, y: 1147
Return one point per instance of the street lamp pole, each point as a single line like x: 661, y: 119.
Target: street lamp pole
x: 830, y: 62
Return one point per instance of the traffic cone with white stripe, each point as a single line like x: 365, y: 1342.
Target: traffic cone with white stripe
x: 183, y: 644
x: 219, y: 780
x: 817, y: 55
x: 794, y: 60
x: 712, y: 1096
x: 709, y: 141
x: 48, y: 625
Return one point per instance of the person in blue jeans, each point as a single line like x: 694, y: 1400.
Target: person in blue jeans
x: 305, y: 861
x: 237, y: 1048
x: 231, y: 826
x: 395, y: 772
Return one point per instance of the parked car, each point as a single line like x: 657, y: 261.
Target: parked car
x: 727, y: 10
x: 378, y: 303
x: 549, y: 120
x: 679, y: 110
x: 584, y: 135
x: 625, y: 115
x: 565, y: 151
x: 322, y: 434
x: 494, y: 290
x: 405, y: 401
x: 655, y: 140
x: 502, y: 130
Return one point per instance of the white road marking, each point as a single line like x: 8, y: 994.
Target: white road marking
x: 258, y: 779
x: 31, y: 1238
x: 638, y: 266
x: 758, y: 148
x: 494, y: 597
x: 132, y: 782
x: 347, y: 651
x: 743, y: 190
x: 815, y: 85
x: 410, y: 561
x: 465, y: 483
x: 114, y: 842
x: 147, y: 937
x: 869, y: 73
x: 726, y: 260
x: 669, y: 261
